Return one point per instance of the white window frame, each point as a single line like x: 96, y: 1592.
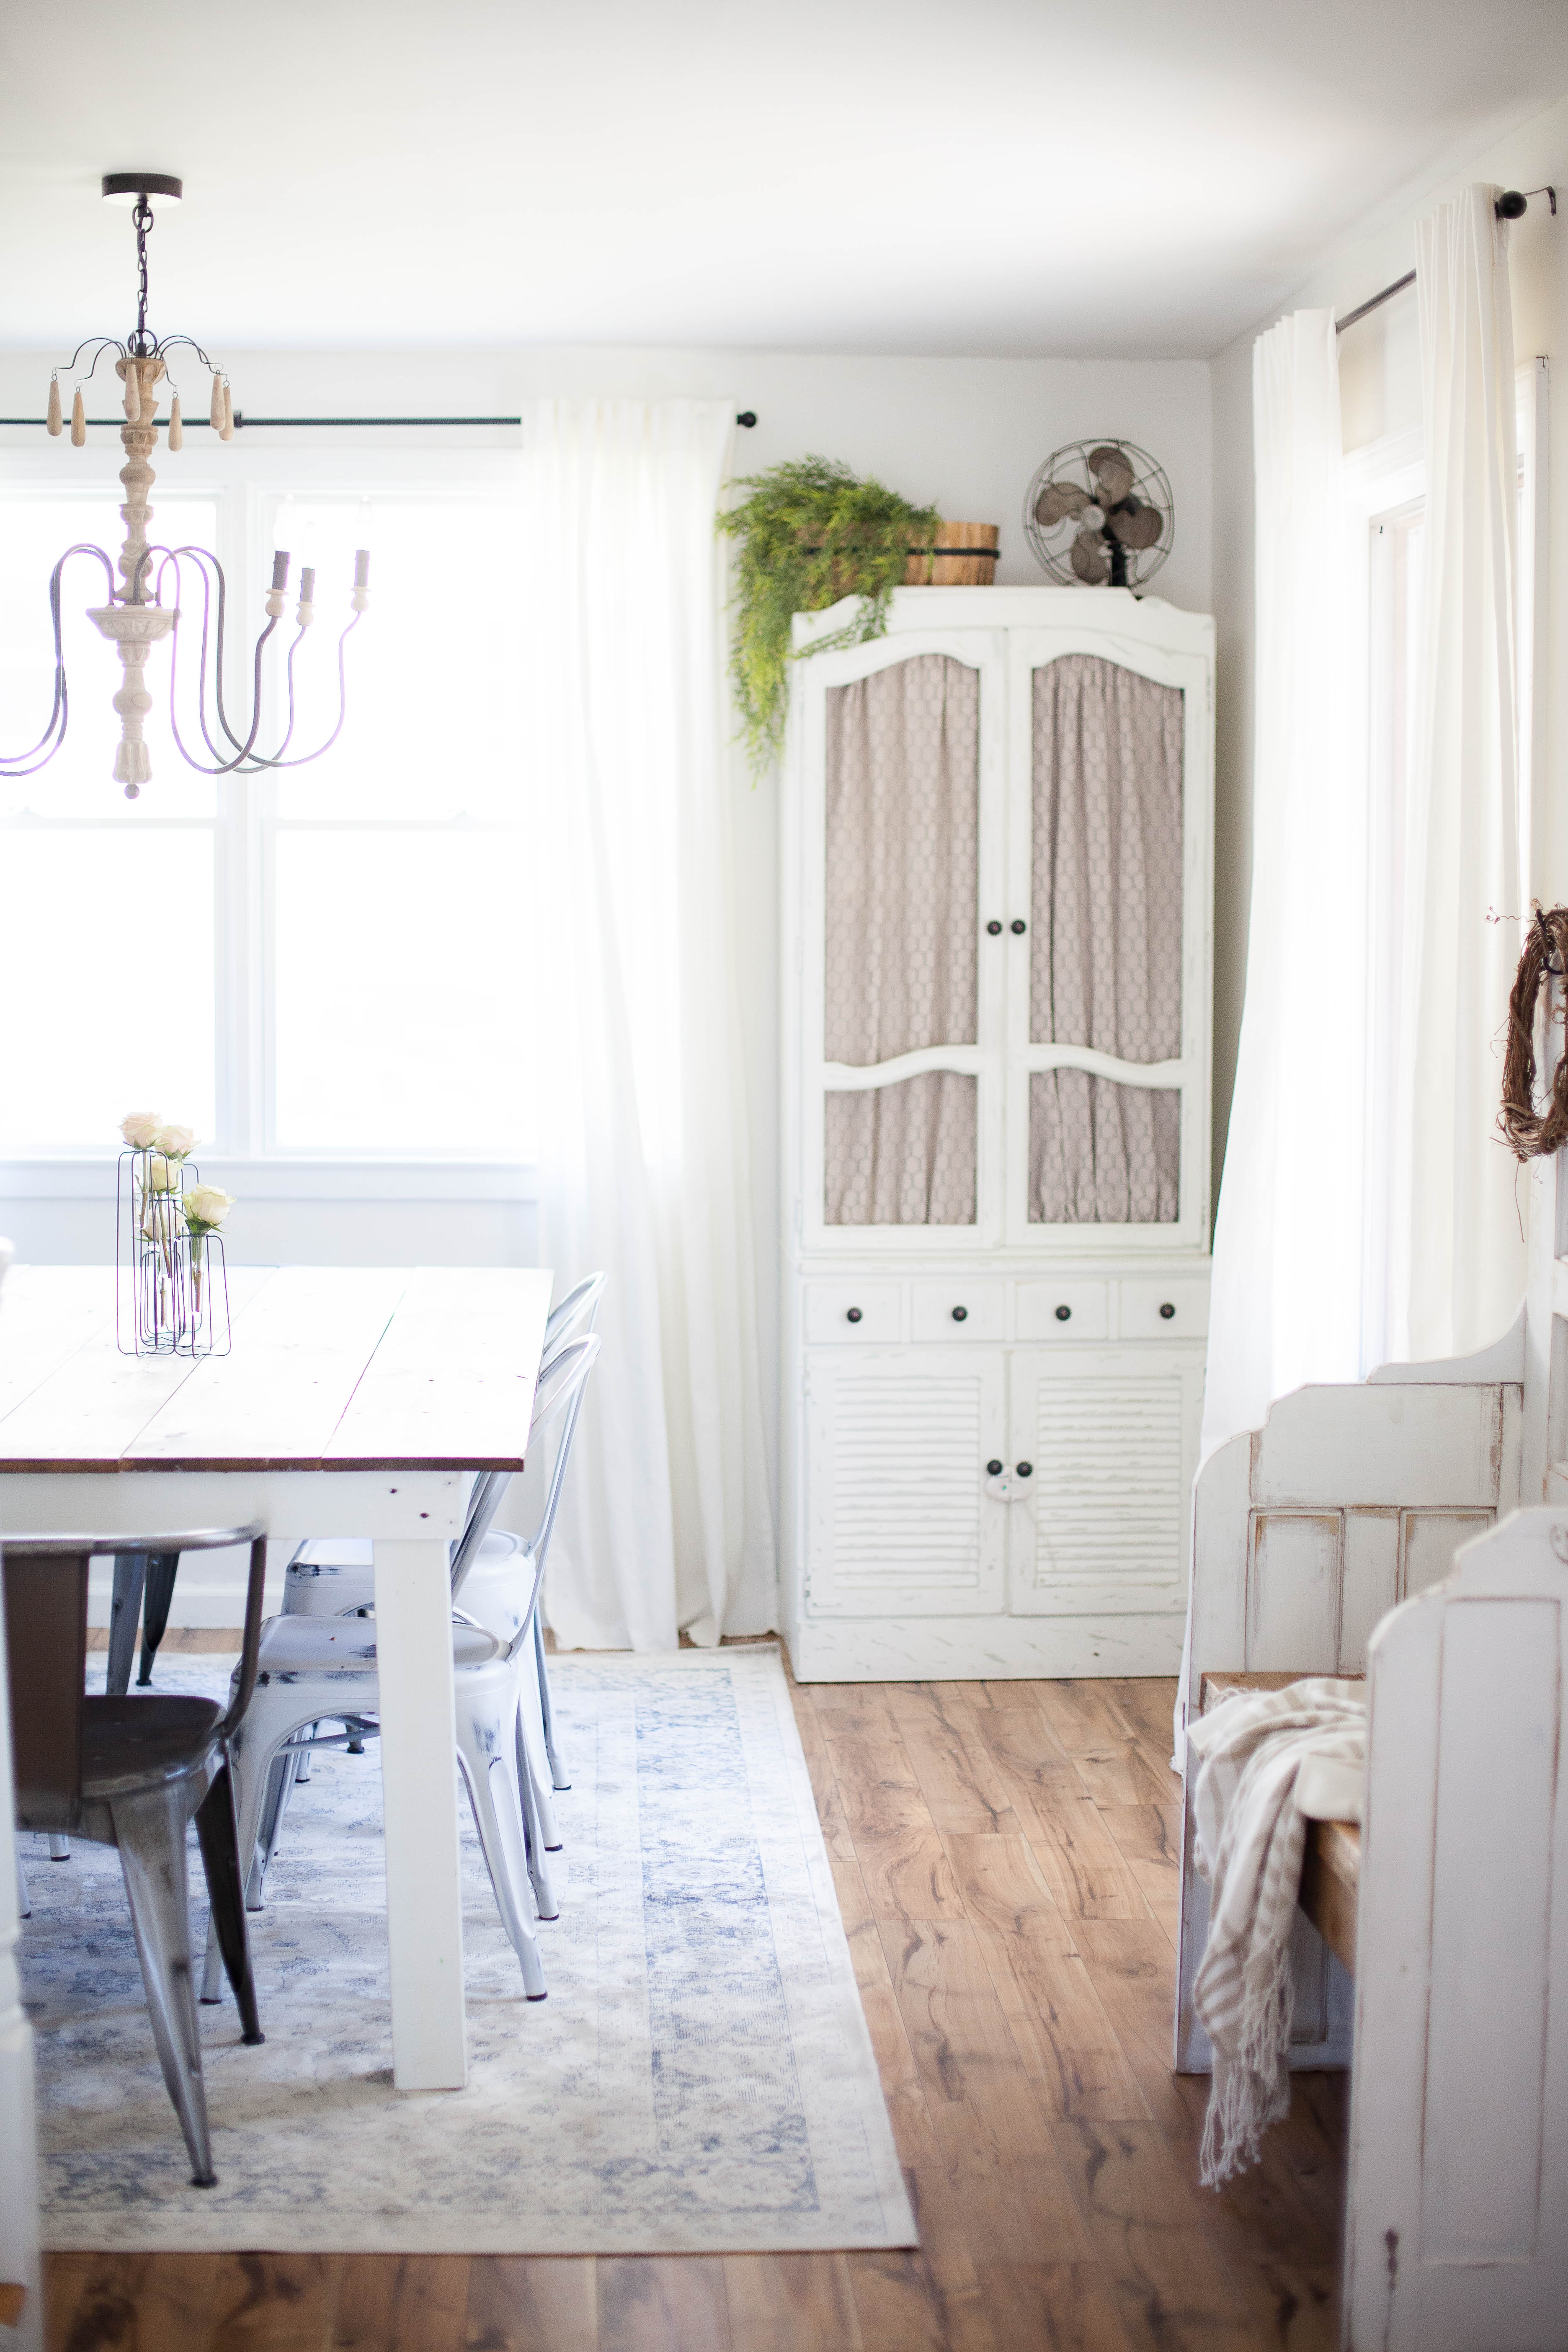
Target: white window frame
x: 246, y: 482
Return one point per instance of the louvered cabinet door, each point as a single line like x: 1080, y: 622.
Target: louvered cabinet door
x: 1098, y: 1520
x: 898, y: 1516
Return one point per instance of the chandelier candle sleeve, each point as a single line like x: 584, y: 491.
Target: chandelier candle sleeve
x: 136, y: 618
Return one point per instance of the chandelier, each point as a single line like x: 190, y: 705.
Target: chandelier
x: 136, y: 618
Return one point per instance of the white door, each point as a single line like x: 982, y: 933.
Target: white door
x: 1102, y: 1446
x: 899, y: 1515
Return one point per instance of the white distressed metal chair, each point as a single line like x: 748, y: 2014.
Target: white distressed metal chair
x: 317, y: 1669
x: 335, y: 1577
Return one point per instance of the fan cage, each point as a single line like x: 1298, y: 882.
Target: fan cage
x: 1151, y: 484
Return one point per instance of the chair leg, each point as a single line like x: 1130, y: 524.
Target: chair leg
x: 531, y: 1723
x: 124, y: 1611
x: 538, y: 1867
x: 557, y: 1770
x: 252, y: 1754
x: 59, y: 1846
x: 302, y: 1772
x: 162, y: 1570
x: 24, y: 1900
x: 492, y: 1792
x: 149, y: 1832
x: 218, y: 1832
x: 281, y: 1775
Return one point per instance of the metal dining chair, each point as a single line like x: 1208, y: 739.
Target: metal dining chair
x: 133, y: 1773
x: 334, y: 1577
x: 317, y: 1670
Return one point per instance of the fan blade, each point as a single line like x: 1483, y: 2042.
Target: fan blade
x: 1112, y: 472
x: 1089, y: 560
x: 1136, y: 526
x: 1057, y: 501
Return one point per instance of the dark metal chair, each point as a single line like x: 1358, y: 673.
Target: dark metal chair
x: 133, y: 1773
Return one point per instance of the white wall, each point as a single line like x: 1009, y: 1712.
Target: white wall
x: 966, y: 435
x: 1380, y: 381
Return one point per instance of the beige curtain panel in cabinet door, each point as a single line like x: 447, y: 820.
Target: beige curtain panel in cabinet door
x: 1106, y: 948
x: 903, y: 850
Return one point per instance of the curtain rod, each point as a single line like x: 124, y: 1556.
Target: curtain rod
x: 748, y: 417
x: 1510, y: 206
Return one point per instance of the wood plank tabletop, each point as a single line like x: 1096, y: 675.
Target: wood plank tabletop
x: 342, y: 1367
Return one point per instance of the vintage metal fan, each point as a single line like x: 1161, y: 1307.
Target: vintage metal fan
x: 1099, y: 514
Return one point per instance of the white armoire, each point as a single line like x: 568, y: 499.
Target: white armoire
x: 996, y: 987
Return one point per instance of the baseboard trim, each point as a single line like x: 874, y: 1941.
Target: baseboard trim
x: 985, y: 1649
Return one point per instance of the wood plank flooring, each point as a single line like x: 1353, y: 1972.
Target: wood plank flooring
x: 1006, y: 1856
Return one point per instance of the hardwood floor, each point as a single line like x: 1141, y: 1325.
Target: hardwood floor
x: 1006, y: 1856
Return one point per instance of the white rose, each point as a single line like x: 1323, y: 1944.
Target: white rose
x: 160, y: 1175
x: 139, y: 1129
x: 175, y: 1140
x: 206, y: 1206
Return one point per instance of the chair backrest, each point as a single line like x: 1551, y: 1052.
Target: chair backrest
x: 560, y: 1388
x: 579, y: 1305
x: 45, y: 1650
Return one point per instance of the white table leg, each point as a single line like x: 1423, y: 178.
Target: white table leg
x: 418, y: 1762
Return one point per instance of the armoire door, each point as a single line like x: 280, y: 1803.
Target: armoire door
x: 897, y: 1513
x: 1108, y: 851
x: 1099, y: 1524
x: 902, y: 981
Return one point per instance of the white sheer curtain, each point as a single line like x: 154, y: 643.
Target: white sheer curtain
x: 1457, y: 1270
x: 624, y: 727
x: 1287, y: 1263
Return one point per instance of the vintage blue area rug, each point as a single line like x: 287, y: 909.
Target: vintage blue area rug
x: 700, y: 2079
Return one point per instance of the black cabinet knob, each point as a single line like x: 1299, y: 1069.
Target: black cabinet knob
x: 1064, y: 1314
x: 1166, y: 1312
x: 1026, y: 1469
x: 994, y: 1469
x: 995, y: 930
x: 852, y: 1314
x: 1019, y: 927
x: 960, y: 1313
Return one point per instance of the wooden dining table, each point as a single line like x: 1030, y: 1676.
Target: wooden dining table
x: 355, y: 1401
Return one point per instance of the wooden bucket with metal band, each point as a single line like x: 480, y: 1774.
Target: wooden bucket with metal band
x: 964, y: 556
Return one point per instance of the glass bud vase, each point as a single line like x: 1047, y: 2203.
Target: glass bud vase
x: 171, y: 1284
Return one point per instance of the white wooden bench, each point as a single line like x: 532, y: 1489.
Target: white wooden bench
x: 1374, y: 1527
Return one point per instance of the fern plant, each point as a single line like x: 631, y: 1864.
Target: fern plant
x: 809, y: 533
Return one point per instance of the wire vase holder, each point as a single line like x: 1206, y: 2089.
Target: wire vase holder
x: 171, y: 1286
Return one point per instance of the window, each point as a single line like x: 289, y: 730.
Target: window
x: 325, y: 962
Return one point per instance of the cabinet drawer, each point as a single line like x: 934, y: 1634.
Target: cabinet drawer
x: 960, y: 1309
x: 870, y: 1312
x: 1041, y: 1315
x: 1167, y: 1309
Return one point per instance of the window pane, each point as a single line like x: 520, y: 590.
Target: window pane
x: 79, y: 781
x: 432, y: 722
x: 106, y: 974
x: 402, y: 989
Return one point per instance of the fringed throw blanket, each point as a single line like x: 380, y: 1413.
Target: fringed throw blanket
x: 1251, y: 1829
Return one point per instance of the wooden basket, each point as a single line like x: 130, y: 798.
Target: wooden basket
x: 964, y: 556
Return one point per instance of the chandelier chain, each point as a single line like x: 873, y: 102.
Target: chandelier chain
x: 143, y: 219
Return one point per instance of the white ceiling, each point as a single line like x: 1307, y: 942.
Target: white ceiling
x: 1138, y: 177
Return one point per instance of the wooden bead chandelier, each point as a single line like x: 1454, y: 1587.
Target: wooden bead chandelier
x: 136, y: 618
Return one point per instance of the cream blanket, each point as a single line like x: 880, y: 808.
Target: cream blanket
x: 1253, y: 1750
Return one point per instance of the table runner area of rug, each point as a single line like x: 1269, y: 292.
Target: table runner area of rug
x: 700, y: 2080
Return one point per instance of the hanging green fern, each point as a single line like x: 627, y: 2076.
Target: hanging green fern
x: 810, y: 533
